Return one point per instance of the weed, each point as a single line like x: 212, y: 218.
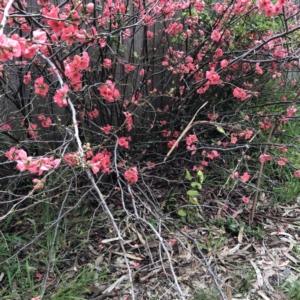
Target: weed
x: 292, y: 287
x: 205, y: 294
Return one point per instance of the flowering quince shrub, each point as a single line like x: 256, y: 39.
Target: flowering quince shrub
x: 119, y: 90
x: 79, y: 72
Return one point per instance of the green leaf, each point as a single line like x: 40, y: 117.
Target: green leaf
x: 193, y: 200
x: 220, y: 129
x: 188, y: 175
x: 181, y: 213
x: 201, y: 176
x: 192, y: 193
x: 197, y: 185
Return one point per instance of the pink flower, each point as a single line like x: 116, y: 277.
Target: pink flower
x: 39, y: 184
x: 192, y: 138
x: 166, y: 133
x: 107, y: 129
x: 240, y: 94
x: 258, y: 69
x: 245, y: 177
x: 60, y: 96
x: 101, y: 162
x: 282, y: 161
x: 129, y: 68
x: 131, y: 175
x: 9, y: 48
x: 129, y: 120
x: 265, y: 157
x: 245, y: 199
x: 171, y: 143
x: 265, y: 125
x: 71, y: 159
x: 39, y: 36
x: 212, y: 155
x: 107, y: 63
x: 216, y: 36
x: 5, y: 127
x: 109, y: 92
x: 224, y: 63
x: 32, y: 130
x: 212, y: 76
x: 234, y: 175
x: 40, y: 87
x: 291, y: 111
x: 27, y: 78
x: 297, y: 173
x: 93, y: 114
x: 123, y: 142
x: 46, y: 123
x: 192, y: 148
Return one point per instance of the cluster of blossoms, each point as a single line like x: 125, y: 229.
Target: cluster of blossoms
x: 74, y: 68
x: 190, y: 140
x: 32, y: 165
x: 245, y: 177
x: 98, y: 163
x: 41, y: 88
x: 131, y: 175
x: 109, y: 92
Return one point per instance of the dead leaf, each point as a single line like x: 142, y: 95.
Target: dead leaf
x: 260, y: 281
x: 263, y: 295
x: 128, y: 255
x: 240, y: 236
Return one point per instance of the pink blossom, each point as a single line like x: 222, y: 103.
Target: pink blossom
x: 107, y: 129
x: 60, y: 96
x: 101, y: 162
x: 9, y: 48
x: 109, y: 92
x: 216, y: 36
x: 245, y: 177
x: 265, y: 125
x: 71, y: 159
x: 171, y: 143
x: 128, y: 120
x: 32, y: 130
x: 40, y: 87
x: 129, y: 68
x: 224, y: 63
x: 258, y: 69
x: 212, y: 155
x: 27, y: 78
x: 5, y: 127
x: 297, y: 173
x: 39, y: 36
x: 107, y: 63
x: 212, y: 76
x: 131, y: 175
x: 291, y: 111
x: 240, y: 94
x: 245, y: 199
x: 93, y: 114
x: 265, y: 157
x: 123, y: 142
x: 166, y: 133
x: 39, y: 184
x: 282, y: 161
x: 192, y: 138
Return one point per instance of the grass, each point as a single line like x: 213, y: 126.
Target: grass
x: 292, y: 288
x: 22, y: 276
x: 205, y: 294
